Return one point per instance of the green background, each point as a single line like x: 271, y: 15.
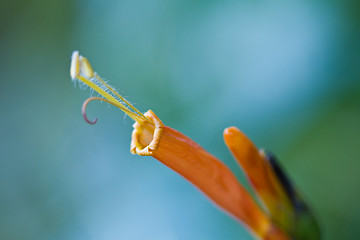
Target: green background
x: 285, y: 72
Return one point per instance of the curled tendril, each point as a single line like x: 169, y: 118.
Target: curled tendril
x: 83, y: 108
x: 123, y: 108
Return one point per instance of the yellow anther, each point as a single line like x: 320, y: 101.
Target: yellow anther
x: 86, y: 68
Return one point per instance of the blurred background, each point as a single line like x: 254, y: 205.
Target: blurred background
x: 285, y: 72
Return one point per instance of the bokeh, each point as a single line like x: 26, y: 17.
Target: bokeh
x: 285, y: 72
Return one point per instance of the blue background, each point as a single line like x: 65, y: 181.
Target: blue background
x: 285, y: 72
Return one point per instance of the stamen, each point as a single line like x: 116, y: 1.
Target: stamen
x: 119, y: 96
x: 127, y: 111
x: 81, y: 69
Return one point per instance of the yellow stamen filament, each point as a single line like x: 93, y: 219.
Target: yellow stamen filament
x: 119, y: 96
x: 81, y: 69
x: 83, y: 109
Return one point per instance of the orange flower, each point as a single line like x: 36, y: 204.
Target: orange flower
x: 212, y: 177
x: 261, y: 175
x: 205, y: 171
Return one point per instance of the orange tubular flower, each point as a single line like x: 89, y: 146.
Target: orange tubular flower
x: 205, y: 171
x: 151, y: 138
x: 286, y: 206
x: 261, y: 175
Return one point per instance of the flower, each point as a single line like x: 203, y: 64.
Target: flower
x: 285, y: 217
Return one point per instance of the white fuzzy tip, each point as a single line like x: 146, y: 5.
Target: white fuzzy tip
x: 75, y: 65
